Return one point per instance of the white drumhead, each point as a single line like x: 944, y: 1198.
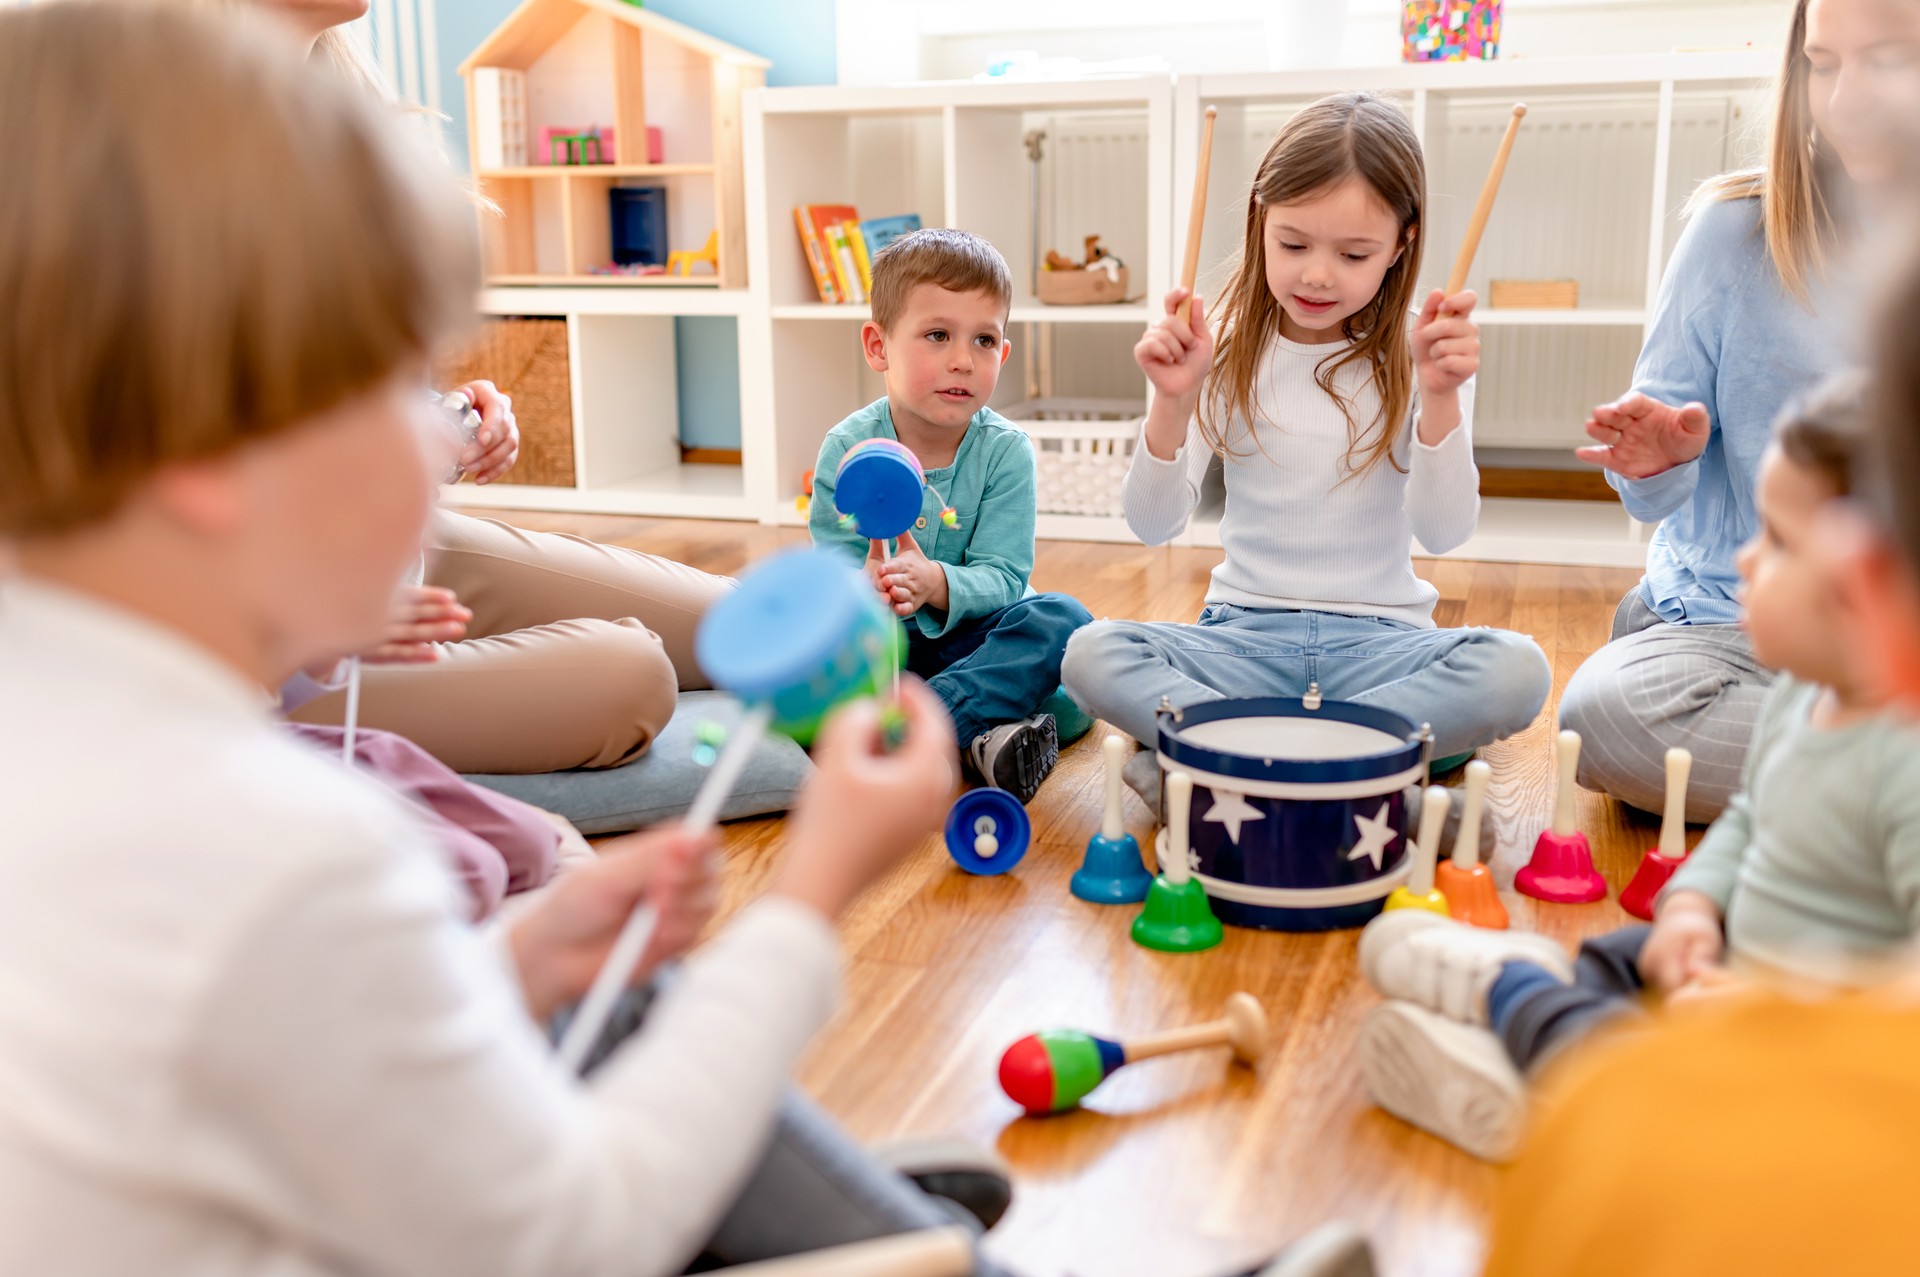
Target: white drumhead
x: 1296, y: 739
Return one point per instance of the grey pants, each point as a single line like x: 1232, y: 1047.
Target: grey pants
x: 1656, y: 686
x: 815, y: 1187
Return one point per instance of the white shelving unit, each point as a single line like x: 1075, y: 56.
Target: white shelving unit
x: 956, y: 154
x: 1610, y: 150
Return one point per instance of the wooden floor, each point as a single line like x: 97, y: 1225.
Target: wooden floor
x: 1179, y: 1167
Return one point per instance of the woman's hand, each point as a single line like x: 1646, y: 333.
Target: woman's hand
x: 560, y: 945
x: 1685, y: 943
x: 1638, y: 437
x: 866, y: 807
x: 496, y: 445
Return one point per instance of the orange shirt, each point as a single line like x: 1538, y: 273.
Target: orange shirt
x: 1762, y: 1136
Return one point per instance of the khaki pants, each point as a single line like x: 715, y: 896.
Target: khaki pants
x: 575, y: 656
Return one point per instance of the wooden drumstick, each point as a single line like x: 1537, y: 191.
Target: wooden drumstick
x: 1179, y: 807
x: 1243, y: 1027
x: 1471, y: 245
x: 1197, y: 214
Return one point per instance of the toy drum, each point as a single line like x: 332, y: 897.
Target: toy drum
x: 1301, y: 819
x: 802, y: 633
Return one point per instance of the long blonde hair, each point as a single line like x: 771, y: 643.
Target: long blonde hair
x: 1795, y: 186
x: 1346, y: 135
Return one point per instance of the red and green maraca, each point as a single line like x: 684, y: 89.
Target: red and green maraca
x: 1053, y: 1070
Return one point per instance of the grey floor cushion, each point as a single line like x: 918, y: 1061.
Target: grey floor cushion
x: 660, y: 784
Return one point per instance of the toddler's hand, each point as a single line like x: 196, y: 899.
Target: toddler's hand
x: 423, y: 615
x: 864, y: 808
x: 1685, y: 942
x: 1638, y: 437
x: 910, y: 580
x: 496, y: 445
x: 560, y: 945
x: 1446, y: 343
x: 1176, y: 354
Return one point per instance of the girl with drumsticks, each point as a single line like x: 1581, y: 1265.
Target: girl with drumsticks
x: 1342, y: 411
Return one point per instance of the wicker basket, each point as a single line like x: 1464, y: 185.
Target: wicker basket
x: 527, y: 359
x: 1082, y: 448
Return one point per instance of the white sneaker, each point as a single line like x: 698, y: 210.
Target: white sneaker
x: 1448, y: 1079
x: 1447, y: 966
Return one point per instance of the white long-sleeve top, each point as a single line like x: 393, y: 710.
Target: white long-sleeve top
x: 244, y: 1032
x: 1295, y: 535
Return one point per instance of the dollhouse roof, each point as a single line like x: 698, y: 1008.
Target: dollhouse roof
x: 536, y: 25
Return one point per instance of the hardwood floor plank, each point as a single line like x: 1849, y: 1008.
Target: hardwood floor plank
x: 1183, y: 1166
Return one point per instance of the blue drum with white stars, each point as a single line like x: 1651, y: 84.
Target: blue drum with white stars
x: 1303, y: 810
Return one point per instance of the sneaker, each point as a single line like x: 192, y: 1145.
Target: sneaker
x: 971, y: 1179
x: 1449, y: 1079
x: 1447, y: 966
x: 1017, y: 756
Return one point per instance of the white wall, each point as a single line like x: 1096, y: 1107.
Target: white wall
x: 888, y: 41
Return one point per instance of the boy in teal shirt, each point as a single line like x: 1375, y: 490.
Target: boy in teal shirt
x: 987, y: 645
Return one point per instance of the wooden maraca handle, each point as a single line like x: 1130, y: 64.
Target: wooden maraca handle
x: 1484, y: 209
x: 1244, y: 1027
x: 1673, y: 824
x: 933, y: 1252
x: 1197, y: 213
x: 1563, y: 786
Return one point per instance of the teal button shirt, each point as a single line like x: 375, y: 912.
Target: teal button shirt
x: 990, y: 485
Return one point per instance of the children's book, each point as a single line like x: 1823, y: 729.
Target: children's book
x: 860, y: 256
x: 879, y: 232
x: 816, y: 252
x: 846, y: 270
x: 823, y: 218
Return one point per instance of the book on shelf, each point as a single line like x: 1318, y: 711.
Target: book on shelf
x: 846, y: 271
x: 839, y: 247
x: 878, y: 232
x: 816, y: 254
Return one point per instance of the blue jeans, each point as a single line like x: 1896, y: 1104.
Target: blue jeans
x: 1473, y: 685
x: 997, y: 668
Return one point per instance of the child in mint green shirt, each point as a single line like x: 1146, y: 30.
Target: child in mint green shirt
x: 987, y: 645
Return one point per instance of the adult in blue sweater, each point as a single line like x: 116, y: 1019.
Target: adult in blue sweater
x: 1746, y: 319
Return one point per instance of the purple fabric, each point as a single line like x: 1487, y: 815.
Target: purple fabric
x: 496, y: 844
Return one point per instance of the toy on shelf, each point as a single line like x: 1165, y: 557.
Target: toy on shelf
x: 1477, y: 224
x: 1659, y: 863
x: 1562, y: 869
x: 638, y: 234
x: 680, y: 261
x: 1177, y: 918
x: 567, y: 146
x: 1419, y: 891
x: 837, y: 644
x: 988, y: 831
x: 1098, y: 280
x: 1450, y: 30
x: 1466, y: 883
x: 1197, y: 213
x: 1112, y: 872
x: 1053, y: 1070
x: 804, y: 502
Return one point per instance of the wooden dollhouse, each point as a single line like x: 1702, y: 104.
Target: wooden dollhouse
x: 609, y: 139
